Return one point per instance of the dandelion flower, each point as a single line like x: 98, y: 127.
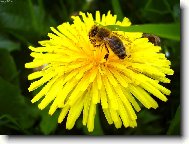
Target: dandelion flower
x: 76, y: 77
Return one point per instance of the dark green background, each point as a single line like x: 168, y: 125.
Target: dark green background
x: 25, y: 22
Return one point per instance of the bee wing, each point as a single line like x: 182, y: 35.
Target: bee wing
x: 107, y: 39
x: 111, y: 41
x: 122, y: 37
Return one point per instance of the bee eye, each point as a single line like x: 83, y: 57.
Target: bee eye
x: 94, y: 32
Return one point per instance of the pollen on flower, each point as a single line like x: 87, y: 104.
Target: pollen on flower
x: 76, y: 75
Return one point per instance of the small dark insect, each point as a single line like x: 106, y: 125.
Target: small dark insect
x: 152, y: 38
x: 100, y: 36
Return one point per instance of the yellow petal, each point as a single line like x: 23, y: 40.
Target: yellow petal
x: 92, y: 113
x: 74, y: 113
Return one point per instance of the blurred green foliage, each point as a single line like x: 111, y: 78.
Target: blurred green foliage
x: 25, y: 22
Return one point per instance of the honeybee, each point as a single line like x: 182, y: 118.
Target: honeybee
x: 100, y: 36
x: 152, y: 38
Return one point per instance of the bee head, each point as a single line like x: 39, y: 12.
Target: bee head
x: 94, y: 31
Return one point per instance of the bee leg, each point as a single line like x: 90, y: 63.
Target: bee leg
x: 97, y: 45
x: 94, y: 43
x: 107, y: 55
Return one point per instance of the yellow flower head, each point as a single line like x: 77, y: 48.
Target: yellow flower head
x: 76, y: 76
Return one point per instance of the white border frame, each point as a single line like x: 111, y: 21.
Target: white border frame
x: 132, y: 140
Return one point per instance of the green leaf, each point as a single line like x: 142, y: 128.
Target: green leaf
x: 174, y: 128
x: 148, y: 123
x: 158, y: 11
x: 6, y: 43
x: 117, y: 9
x: 15, y: 15
x: 176, y: 12
x: 170, y: 31
x: 13, y: 104
x: 160, y: 7
x: 147, y: 117
x: 48, y: 123
x: 7, y: 120
x: 24, y: 20
x: 8, y: 69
